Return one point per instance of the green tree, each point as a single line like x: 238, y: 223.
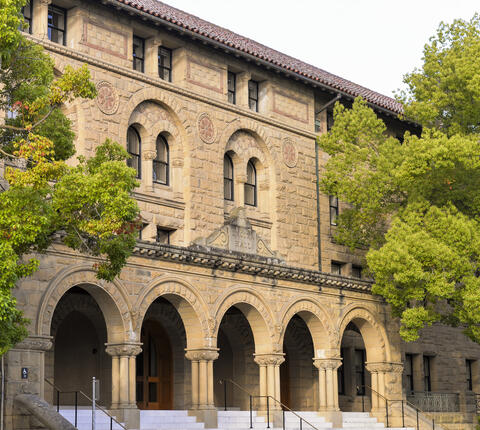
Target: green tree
x: 416, y: 204
x: 89, y: 207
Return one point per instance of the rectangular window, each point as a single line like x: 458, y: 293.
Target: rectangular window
x: 426, y: 373
x: 138, y: 54
x: 253, y: 95
x: 336, y: 268
x: 356, y: 271
x: 333, y: 210
x: 329, y: 119
x: 57, y: 23
x: 318, y: 125
x: 360, y: 371
x: 27, y: 12
x: 165, y: 63
x: 232, y: 87
x: 409, y: 373
x: 164, y: 235
x: 469, y: 364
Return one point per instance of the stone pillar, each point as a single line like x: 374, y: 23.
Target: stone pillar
x: 270, y: 377
x: 239, y: 188
x: 151, y: 56
x: 40, y: 18
x: 147, y: 168
x: 328, y: 382
x: 242, y: 89
x: 385, y: 374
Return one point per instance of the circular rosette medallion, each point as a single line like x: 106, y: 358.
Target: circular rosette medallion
x: 290, y: 153
x: 107, y: 98
x: 206, y: 129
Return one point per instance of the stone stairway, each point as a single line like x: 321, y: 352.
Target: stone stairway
x: 84, y: 418
x: 363, y: 421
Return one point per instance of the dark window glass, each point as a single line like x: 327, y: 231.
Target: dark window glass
x: 409, y: 373
x: 160, y: 162
x: 57, y: 20
x: 165, y: 63
x: 469, y: 364
x: 426, y: 373
x: 232, y: 87
x: 253, y: 95
x: 356, y: 271
x: 227, y: 177
x: 138, y: 54
x: 27, y: 12
x: 163, y: 235
x: 134, y: 146
x: 336, y: 268
x: 333, y: 210
x: 360, y: 371
x: 341, y: 374
x: 329, y: 119
x: 251, y: 185
x: 318, y: 125
x: 140, y: 230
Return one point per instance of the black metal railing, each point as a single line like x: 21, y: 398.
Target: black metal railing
x: 268, y: 401
x: 430, y: 401
x: 59, y: 394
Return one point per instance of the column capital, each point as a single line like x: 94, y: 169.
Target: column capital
x: 123, y: 349
x: 384, y: 367
x: 327, y: 363
x: 149, y: 154
x: 201, y: 354
x: 35, y: 343
x: 45, y: 2
x: 274, y: 359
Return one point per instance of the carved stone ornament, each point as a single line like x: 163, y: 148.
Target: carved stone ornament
x: 327, y: 363
x: 201, y: 354
x: 122, y: 349
x: 237, y: 235
x: 149, y: 154
x: 269, y: 359
x: 107, y: 98
x: 206, y: 128
x: 384, y: 367
x: 289, y: 152
x: 35, y: 343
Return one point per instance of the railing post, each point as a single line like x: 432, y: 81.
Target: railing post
x: 283, y: 416
x: 225, y: 394
x: 268, y: 413
x: 58, y: 400
x: 76, y: 407
x: 251, y: 412
x: 386, y: 410
x: 111, y: 423
x: 418, y: 428
x: 300, y: 424
x: 363, y: 403
x: 433, y: 423
x: 403, y: 415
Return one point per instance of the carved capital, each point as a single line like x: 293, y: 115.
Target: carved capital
x: 269, y: 359
x: 45, y: 2
x: 201, y: 354
x: 149, y: 154
x: 327, y: 363
x: 384, y: 367
x: 121, y: 349
x: 35, y: 343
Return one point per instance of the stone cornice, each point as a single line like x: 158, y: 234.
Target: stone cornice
x: 246, y: 263
x: 164, y: 85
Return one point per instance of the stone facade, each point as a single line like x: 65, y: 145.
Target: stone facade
x: 237, y: 293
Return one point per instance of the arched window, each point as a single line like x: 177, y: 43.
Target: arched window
x: 227, y: 177
x: 134, y: 147
x: 160, y: 163
x: 251, y: 185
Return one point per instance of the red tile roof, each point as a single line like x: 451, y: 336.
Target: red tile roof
x: 248, y: 46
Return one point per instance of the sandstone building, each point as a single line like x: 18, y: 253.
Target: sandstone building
x: 235, y: 275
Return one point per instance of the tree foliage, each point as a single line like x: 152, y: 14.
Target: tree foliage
x: 87, y: 207
x: 416, y: 204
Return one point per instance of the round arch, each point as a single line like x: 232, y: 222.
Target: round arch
x: 257, y: 314
x: 373, y: 333
x: 111, y: 297
x: 317, y: 321
x: 186, y: 301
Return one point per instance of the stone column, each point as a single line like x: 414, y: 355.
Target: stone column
x: 239, y: 188
x: 202, y: 377
x: 328, y: 382
x: 270, y: 377
x: 242, y: 89
x: 40, y: 18
x: 147, y: 168
x: 151, y: 56
x: 383, y: 374
x: 123, y: 373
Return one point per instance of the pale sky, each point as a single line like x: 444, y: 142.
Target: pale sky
x: 370, y: 42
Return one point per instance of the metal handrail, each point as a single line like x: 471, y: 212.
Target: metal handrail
x: 222, y: 381
x: 112, y: 418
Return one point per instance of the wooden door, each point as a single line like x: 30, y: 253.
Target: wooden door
x: 155, y: 369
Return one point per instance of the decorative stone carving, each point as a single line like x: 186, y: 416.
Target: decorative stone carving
x: 107, y: 98
x: 35, y: 343
x: 327, y: 363
x: 384, y: 367
x: 289, y: 152
x: 237, y: 235
x: 119, y: 349
x: 149, y: 154
x: 269, y: 359
x: 201, y: 354
x: 206, y: 128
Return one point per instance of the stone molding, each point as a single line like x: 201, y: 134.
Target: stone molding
x: 327, y: 363
x: 384, y: 367
x: 122, y: 349
x: 35, y: 343
x: 269, y: 359
x: 201, y: 354
x: 149, y: 154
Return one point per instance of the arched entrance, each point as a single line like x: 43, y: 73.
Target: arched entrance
x: 298, y: 376
x: 162, y: 372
